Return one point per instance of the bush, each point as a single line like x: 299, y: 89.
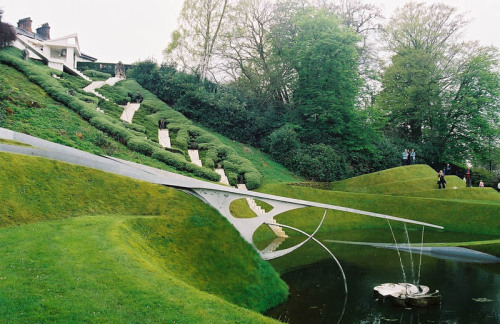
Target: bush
x: 115, y: 94
x: 320, y: 162
x: 116, y: 131
x: 142, y: 146
x: 135, y: 127
x: 253, y: 179
x: 97, y: 75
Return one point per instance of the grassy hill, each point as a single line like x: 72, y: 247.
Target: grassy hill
x: 94, y: 246
x: 408, y: 192
x: 57, y: 109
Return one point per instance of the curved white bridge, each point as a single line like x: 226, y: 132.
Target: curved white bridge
x: 218, y: 196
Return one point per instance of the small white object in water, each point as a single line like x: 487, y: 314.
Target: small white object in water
x: 482, y: 300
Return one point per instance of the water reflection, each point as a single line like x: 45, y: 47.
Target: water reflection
x: 317, y: 294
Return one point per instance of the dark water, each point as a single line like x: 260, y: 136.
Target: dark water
x: 317, y: 290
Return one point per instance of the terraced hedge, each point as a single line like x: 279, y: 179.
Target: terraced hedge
x: 58, y: 89
x: 185, y: 135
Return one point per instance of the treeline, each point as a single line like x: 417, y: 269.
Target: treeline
x: 308, y: 83
x: 314, y: 154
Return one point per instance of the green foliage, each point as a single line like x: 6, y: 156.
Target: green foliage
x: 184, y: 135
x: 7, y: 34
x: 438, y: 90
x: 115, y: 94
x: 97, y: 75
x: 142, y: 146
x: 41, y: 75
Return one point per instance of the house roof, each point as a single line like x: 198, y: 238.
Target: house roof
x: 31, y: 35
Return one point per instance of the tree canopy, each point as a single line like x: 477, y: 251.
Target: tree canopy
x: 303, y: 79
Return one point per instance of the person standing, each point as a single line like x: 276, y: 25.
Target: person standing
x: 441, y: 180
x: 412, y: 157
x: 405, y: 157
x: 468, y: 177
x: 447, y: 169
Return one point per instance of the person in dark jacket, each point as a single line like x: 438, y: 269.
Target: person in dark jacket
x: 441, y: 180
x: 447, y: 169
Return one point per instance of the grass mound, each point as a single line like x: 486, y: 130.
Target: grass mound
x: 123, y: 264
x: 400, y: 180
x: 461, y: 210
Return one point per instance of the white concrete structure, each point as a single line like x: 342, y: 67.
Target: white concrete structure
x: 62, y: 53
x: 93, y: 86
x: 223, y: 178
x: 129, y: 111
x: 277, y: 230
x: 164, y: 138
x: 195, y: 157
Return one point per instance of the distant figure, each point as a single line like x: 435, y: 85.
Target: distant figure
x: 441, y: 180
x: 405, y: 157
x: 26, y: 54
x: 138, y: 97
x: 120, y: 70
x: 447, y: 169
x: 412, y: 157
x: 162, y: 123
x: 481, y: 183
x: 468, y: 177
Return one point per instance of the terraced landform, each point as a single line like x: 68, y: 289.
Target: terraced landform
x: 79, y: 245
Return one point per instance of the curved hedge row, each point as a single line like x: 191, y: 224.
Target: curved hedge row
x: 185, y: 135
x: 132, y: 138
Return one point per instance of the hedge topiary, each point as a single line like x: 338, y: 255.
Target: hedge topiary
x: 42, y: 76
x: 142, y: 146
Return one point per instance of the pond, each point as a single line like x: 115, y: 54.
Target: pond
x: 470, y: 291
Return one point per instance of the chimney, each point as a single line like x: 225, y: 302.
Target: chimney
x: 25, y: 24
x: 44, y: 31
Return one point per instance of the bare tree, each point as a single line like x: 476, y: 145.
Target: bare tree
x: 194, y: 43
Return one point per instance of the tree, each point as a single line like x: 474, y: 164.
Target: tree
x: 7, y: 33
x: 437, y: 92
x: 324, y: 56
x: 194, y: 43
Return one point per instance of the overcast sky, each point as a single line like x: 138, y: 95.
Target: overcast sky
x: 130, y: 31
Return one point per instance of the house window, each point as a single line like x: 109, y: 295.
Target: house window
x: 63, y: 52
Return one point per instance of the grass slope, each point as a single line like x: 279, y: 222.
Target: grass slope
x: 400, y: 180
x: 464, y: 210
x: 87, y: 270
x: 152, y: 253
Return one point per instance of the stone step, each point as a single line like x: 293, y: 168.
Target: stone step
x: 93, y: 86
x: 277, y: 230
x: 273, y: 246
x: 223, y: 177
x: 129, y: 111
x: 195, y: 157
x: 164, y: 138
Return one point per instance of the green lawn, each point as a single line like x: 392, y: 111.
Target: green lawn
x: 98, y: 269
x: 74, y: 241
x: 462, y: 210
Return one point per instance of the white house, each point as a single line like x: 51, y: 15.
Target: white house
x: 62, y: 53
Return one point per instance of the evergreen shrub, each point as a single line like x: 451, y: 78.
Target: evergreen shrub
x: 142, y: 146
x: 116, y: 131
x: 97, y: 75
